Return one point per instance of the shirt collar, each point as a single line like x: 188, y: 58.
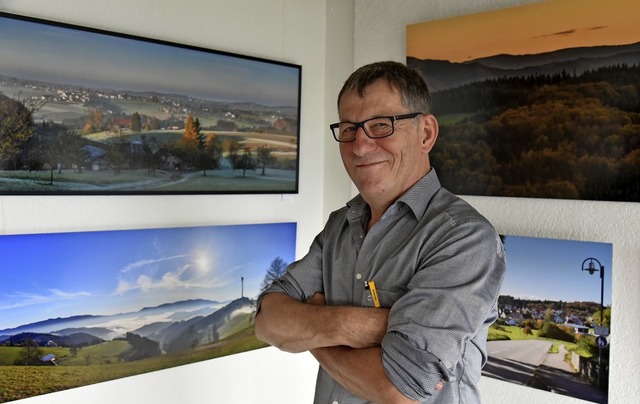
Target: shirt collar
x: 420, y: 194
x: 417, y: 197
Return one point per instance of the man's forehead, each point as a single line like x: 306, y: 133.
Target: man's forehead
x: 372, y: 92
x: 380, y: 83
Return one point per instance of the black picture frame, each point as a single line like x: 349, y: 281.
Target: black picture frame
x: 86, y: 111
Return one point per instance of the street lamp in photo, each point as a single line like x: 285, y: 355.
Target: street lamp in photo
x: 591, y: 268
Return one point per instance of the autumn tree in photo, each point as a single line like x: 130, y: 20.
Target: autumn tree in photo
x: 562, y: 136
x: 192, y: 143
x: 211, y: 153
x: 190, y: 137
x: 95, y: 122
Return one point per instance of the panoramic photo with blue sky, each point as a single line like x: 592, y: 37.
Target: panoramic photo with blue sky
x: 103, y: 273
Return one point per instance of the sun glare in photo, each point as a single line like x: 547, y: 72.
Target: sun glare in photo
x: 203, y: 262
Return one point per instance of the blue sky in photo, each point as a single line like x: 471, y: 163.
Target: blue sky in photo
x: 45, y: 276
x: 66, y: 56
x: 551, y: 269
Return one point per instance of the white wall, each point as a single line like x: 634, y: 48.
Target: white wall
x: 380, y: 33
x: 286, y: 30
x: 328, y: 38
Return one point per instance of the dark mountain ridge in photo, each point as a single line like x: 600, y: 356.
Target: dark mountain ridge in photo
x: 42, y: 339
x: 179, y: 310
x: 190, y: 330
x: 442, y: 74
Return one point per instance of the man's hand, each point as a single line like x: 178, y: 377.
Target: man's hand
x: 317, y: 299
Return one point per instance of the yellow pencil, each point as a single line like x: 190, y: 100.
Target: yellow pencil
x: 374, y: 293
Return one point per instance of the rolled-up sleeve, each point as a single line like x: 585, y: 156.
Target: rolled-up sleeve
x: 437, y: 330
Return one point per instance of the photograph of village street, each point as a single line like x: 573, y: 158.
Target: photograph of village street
x: 86, y: 307
x: 553, y: 330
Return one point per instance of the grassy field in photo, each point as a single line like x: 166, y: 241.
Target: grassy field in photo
x: 139, y: 181
x: 101, y: 363
x: 165, y: 180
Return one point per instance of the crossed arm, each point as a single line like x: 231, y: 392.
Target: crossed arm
x: 345, y: 340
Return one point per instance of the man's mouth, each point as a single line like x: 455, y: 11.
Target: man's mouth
x: 366, y: 164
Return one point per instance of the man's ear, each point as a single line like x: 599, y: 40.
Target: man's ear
x: 429, y: 132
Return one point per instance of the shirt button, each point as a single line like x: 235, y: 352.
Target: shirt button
x: 358, y: 277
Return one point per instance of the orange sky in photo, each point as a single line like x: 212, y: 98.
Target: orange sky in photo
x: 530, y: 29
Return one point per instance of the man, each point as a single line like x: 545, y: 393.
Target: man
x: 396, y: 294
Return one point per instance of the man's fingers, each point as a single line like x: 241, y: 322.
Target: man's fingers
x: 317, y: 299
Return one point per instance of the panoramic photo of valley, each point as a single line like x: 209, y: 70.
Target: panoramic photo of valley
x: 120, y: 115
x: 77, y: 314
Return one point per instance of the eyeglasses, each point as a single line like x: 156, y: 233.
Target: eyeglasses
x: 375, y: 128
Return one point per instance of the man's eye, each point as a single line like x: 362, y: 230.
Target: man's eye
x: 380, y: 126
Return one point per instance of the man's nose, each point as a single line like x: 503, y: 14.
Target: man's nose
x: 362, y: 143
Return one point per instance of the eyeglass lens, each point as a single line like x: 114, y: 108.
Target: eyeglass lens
x: 374, y: 128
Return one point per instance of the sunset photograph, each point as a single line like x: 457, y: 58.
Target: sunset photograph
x: 537, y: 101
x: 530, y: 29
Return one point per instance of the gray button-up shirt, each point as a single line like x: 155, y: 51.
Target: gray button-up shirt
x: 436, y: 262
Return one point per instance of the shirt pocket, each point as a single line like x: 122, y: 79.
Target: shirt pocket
x: 386, y: 297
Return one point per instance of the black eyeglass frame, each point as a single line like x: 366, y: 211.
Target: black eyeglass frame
x: 393, y: 119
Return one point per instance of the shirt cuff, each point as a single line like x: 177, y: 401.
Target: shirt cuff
x: 413, y: 371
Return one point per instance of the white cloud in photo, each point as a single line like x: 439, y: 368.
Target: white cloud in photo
x: 20, y: 299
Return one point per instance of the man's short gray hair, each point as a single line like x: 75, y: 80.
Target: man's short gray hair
x: 407, y: 81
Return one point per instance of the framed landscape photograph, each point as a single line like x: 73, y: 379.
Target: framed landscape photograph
x: 539, y: 101
x: 90, y: 307
x: 86, y: 111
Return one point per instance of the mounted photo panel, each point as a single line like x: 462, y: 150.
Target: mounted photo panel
x: 552, y: 332
x: 86, y: 307
x: 536, y: 101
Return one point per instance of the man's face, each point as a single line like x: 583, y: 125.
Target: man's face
x: 383, y: 169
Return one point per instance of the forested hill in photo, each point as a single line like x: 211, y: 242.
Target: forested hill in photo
x: 563, y: 124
